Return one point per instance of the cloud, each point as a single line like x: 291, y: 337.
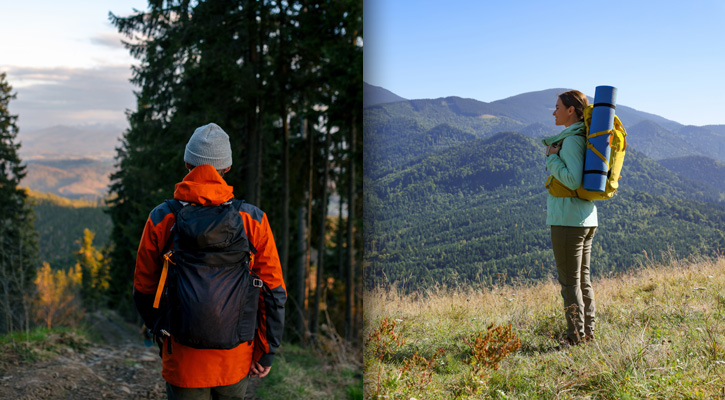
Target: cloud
x: 108, y: 39
x: 70, y: 96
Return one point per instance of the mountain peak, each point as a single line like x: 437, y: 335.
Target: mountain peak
x: 373, y: 95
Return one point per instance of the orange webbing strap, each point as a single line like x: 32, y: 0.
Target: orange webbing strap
x: 162, y: 281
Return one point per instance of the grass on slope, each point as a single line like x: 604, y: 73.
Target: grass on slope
x: 660, y: 334
x: 328, y: 370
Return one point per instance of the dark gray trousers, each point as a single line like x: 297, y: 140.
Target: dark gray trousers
x: 230, y: 392
x: 572, y: 249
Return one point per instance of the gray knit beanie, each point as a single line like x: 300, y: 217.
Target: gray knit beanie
x: 209, y: 145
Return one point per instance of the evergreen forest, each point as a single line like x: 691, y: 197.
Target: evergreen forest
x: 283, y: 79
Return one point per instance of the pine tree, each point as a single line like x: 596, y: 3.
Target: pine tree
x: 18, y: 239
x: 190, y: 74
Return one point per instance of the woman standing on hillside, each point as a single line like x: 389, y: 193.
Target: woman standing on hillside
x: 573, y: 221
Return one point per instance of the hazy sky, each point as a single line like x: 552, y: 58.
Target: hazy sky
x: 665, y: 57
x: 65, y: 61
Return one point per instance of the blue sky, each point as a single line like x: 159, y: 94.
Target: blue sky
x: 664, y: 59
x: 66, y: 63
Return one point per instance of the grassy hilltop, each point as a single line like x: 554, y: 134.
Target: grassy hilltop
x: 660, y: 335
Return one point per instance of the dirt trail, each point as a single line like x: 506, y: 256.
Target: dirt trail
x: 121, y: 368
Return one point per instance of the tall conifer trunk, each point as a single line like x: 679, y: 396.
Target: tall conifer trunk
x: 308, y: 247
x: 340, y: 230
x: 283, y: 68
x: 350, y: 284
x: 314, y: 324
x: 253, y: 163
x: 284, y: 235
x: 303, y: 266
x: 300, y: 275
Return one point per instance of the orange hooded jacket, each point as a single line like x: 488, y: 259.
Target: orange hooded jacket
x: 195, y: 368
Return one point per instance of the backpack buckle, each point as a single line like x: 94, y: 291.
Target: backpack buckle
x: 257, y: 282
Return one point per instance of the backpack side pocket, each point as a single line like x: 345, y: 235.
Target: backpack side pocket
x: 248, y: 310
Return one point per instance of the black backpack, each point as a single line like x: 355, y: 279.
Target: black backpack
x: 211, y: 295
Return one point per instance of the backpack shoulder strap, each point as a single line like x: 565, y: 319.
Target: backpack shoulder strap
x: 174, y: 205
x: 587, y: 116
x: 237, y: 204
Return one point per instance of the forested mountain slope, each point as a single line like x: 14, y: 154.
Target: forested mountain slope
x: 60, y: 223
x: 698, y: 168
x: 475, y: 213
x: 397, y: 133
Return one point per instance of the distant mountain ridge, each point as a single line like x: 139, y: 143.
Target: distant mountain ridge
x: 395, y: 133
x: 528, y: 108
x: 538, y: 106
x: 79, y: 178
x: 61, y: 141
x: 74, y: 162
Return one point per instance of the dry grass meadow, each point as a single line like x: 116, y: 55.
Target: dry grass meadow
x: 660, y: 335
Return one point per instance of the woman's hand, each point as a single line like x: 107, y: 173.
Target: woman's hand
x: 553, y: 149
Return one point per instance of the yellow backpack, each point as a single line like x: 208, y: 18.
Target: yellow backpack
x: 618, y: 143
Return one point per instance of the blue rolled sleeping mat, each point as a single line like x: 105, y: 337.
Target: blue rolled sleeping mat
x: 596, y: 160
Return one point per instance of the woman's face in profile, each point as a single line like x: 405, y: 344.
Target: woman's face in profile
x: 562, y: 114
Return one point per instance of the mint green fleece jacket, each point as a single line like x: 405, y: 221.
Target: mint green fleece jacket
x: 568, y: 168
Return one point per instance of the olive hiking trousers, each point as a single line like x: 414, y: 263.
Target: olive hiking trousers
x: 572, y: 249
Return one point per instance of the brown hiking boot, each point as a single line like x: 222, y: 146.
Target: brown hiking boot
x: 565, y: 341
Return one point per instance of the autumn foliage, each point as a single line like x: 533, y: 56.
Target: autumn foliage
x: 385, y: 339
x: 58, y: 302
x: 489, y: 348
x: 64, y: 295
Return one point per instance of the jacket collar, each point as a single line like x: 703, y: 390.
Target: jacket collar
x: 573, y: 129
x: 203, y: 185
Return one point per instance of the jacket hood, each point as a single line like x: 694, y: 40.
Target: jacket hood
x: 204, y: 186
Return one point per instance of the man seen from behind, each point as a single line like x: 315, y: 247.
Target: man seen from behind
x: 197, y: 258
